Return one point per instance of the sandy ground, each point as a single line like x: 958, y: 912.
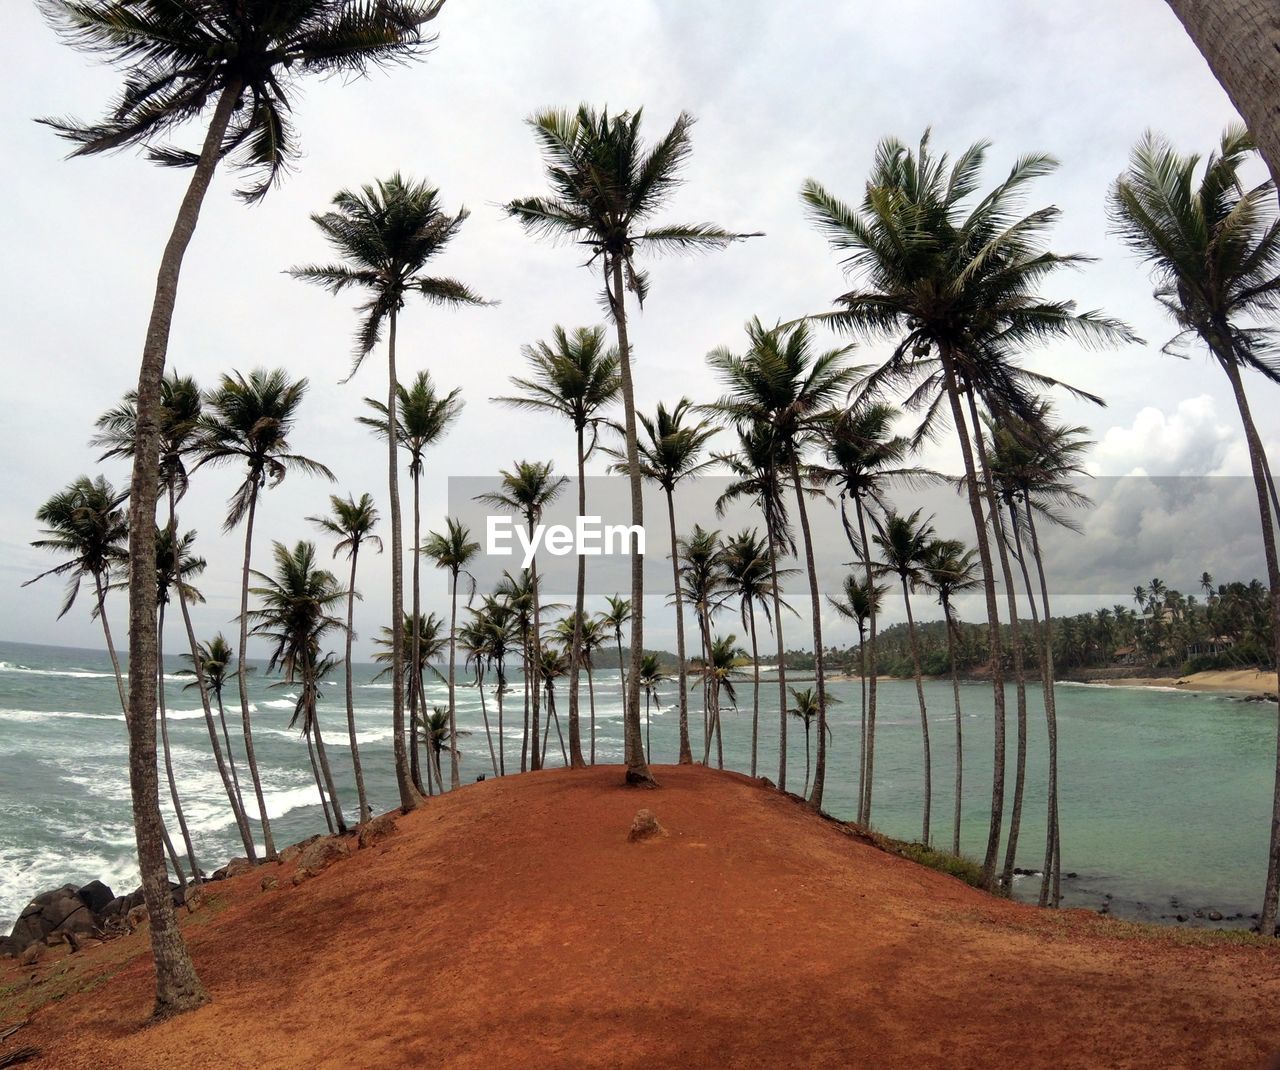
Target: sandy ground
x: 1243, y: 681
x: 512, y: 924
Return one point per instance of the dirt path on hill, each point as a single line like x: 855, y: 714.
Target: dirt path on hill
x: 512, y: 924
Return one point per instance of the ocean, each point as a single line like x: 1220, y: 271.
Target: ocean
x: 1165, y: 795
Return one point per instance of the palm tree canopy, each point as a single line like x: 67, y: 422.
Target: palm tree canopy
x: 950, y: 568
x: 702, y: 577
x: 386, y: 233
x: 1212, y: 245
x: 904, y: 542
x: 175, y: 563
x: 861, y: 451
x: 606, y: 186
x: 351, y: 522
x: 671, y: 449
x: 177, y: 58
x: 452, y: 550
x: 859, y: 600
x: 754, y: 475
x: 651, y: 674
x: 86, y: 523
x: 217, y: 659
x: 296, y: 608
x: 618, y: 615
x: 423, y: 416
x: 526, y: 490
x: 247, y: 420
x: 575, y: 375
x: 181, y: 406
x: 1040, y: 464
x: 433, y: 641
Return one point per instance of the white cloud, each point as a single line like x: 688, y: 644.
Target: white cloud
x: 1192, y: 440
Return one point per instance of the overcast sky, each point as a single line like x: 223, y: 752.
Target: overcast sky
x: 781, y: 93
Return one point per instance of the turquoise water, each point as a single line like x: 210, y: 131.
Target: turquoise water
x: 1165, y: 794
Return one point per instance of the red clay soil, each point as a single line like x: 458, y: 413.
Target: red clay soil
x: 513, y: 924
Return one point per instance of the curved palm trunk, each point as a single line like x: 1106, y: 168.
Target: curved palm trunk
x: 755, y: 684
x: 686, y: 752
x: 330, y: 785
x: 524, y: 744
x: 955, y: 696
x: 862, y: 712
x: 535, y: 658
x: 868, y: 772
x: 995, y: 646
x: 365, y: 812
x: 622, y: 679
x: 454, y: 780
x: 502, y: 738
x: 648, y: 722
x: 1258, y: 463
x: 183, y: 830
x: 417, y: 694
x: 715, y: 722
x: 231, y: 762
x: 404, y: 782
x: 242, y: 677
x: 315, y: 772
x: 815, y: 604
x: 591, y: 696
x: 575, y: 646
x: 708, y: 722
x: 808, y: 747
x: 177, y: 986
x: 637, y: 767
x: 924, y: 715
x: 484, y: 713
x: 782, y: 667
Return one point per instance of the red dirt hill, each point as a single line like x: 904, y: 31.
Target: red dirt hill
x: 513, y: 924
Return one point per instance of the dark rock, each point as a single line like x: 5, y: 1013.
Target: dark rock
x: 1072, y: 876
x: 376, y: 831
x: 270, y: 883
x: 139, y: 915
x: 1214, y: 915
x: 32, y: 955
x: 96, y: 895
x: 320, y: 855
x: 1181, y: 917
x: 8, y: 946
x: 235, y: 868
x: 645, y: 827
x: 294, y: 850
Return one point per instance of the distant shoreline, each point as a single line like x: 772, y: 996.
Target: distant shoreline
x: 1234, y: 681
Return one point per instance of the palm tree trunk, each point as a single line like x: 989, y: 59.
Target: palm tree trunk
x: 524, y: 745
x: 995, y: 645
x: 417, y: 696
x: 637, y: 767
x: 648, y: 723
x: 807, y: 749
x: 1258, y: 462
x: 178, y: 988
x: 535, y: 656
x: 868, y: 773
x: 622, y: 680
x: 404, y: 782
x: 330, y: 786
x: 315, y: 772
x: 417, y: 703
x: 862, y: 727
x: 575, y: 646
x: 782, y: 668
x: 502, y: 738
x: 365, y: 812
x: 955, y: 696
x: 231, y: 764
x: 454, y: 780
x: 755, y: 685
x: 815, y: 606
x: 164, y: 742
x: 686, y: 752
x: 924, y: 715
x: 715, y: 720
x: 708, y: 723
x: 591, y: 694
x: 242, y: 677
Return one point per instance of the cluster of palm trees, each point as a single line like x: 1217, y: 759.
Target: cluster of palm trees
x: 950, y: 276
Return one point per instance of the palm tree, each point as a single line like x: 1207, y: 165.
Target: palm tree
x: 783, y: 384
x: 247, y: 421
x: 244, y: 59
x: 352, y: 523
x: 955, y: 282
x: 424, y: 417
x: 476, y: 637
x: 807, y: 709
x: 651, y: 675
x: 551, y: 668
x: 904, y: 543
x: 502, y: 628
x: 213, y: 663
x: 295, y: 614
x: 1213, y: 246
x: 614, y: 619
x: 594, y: 636
x: 860, y: 604
x: 862, y: 455
x: 526, y: 491
x: 605, y: 187
x: 516, y: 594
x: 181, y: 409
x: 386, y: 233
x: 703, y: 585
x: 950, y: 569
x: 719, y: 669
x: 670, y: 453
x: 452, y: 552
x: 434, y: 729
x: 432, y: 643
x: 574, y: 376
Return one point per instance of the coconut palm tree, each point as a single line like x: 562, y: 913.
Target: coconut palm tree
x: 432, y: 643
x: 434, y: 729
x: 954, y: 279
x: 476, y: 637
x: 671, y: 452
x: 904, y: 542
x: 386, y: 234
x: 352, y: 523
x: 213, y: 662
x: 575, y: 376
x: 806, y: 709
x: 424, y: 417
x: 295, y: 614
x: 1213, y: 246
x: 526, y: 491
x: 949, y: 570
x: 247, y: 421
x: 452, y: 552
x: 703, y: 585
x: 553, y: 666
x: 516, y: 594
x: 719, y: 669
x: 605, y: 188
x: 651, y: 675
x: 181, y: 409
x: 617, y: 616
x: 245, y: 60
x: 501, y: 628
x: 782, y: 383
x: 861, y: 603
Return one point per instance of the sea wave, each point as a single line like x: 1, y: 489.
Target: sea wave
x: 33, y: 716
x: 74, y: 674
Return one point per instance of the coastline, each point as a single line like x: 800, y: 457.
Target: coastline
x: 1249, y: 682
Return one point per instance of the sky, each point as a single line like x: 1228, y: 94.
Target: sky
x: 780, y: 93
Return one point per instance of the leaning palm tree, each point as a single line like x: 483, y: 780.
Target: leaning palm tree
x: 352, y: 523
x: 247, y: 421
x: 295, y: 614
x: 476, y: 638
x: 431, y: 644
x: 806, y: 711
x: 782, y: 384
x: 651, y: 675
x: 386, y: 234
x: 452, y: 552
x: 720, y: 669
x: 671, y: 452
x: 614, y: 619
x: 605, y: 187
x: 424, y: 417
x: 527, y: 490
x: 1213, y: 246
x: 861, y: 604
x: 702, y: 583
x: 181, y: 409
x: 575, y: 376
x: 244, y: 59
x: 213, y: 662
x: 949, y: 570
x: 904, y: 542
x: 954, y: 280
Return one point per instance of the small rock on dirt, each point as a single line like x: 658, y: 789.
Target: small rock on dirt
x: 375, y: 831
x: 645, y: 827
x: 32, y: 955
x: 269, y: 883
x: 137, y: 916
x: 319, y: 856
